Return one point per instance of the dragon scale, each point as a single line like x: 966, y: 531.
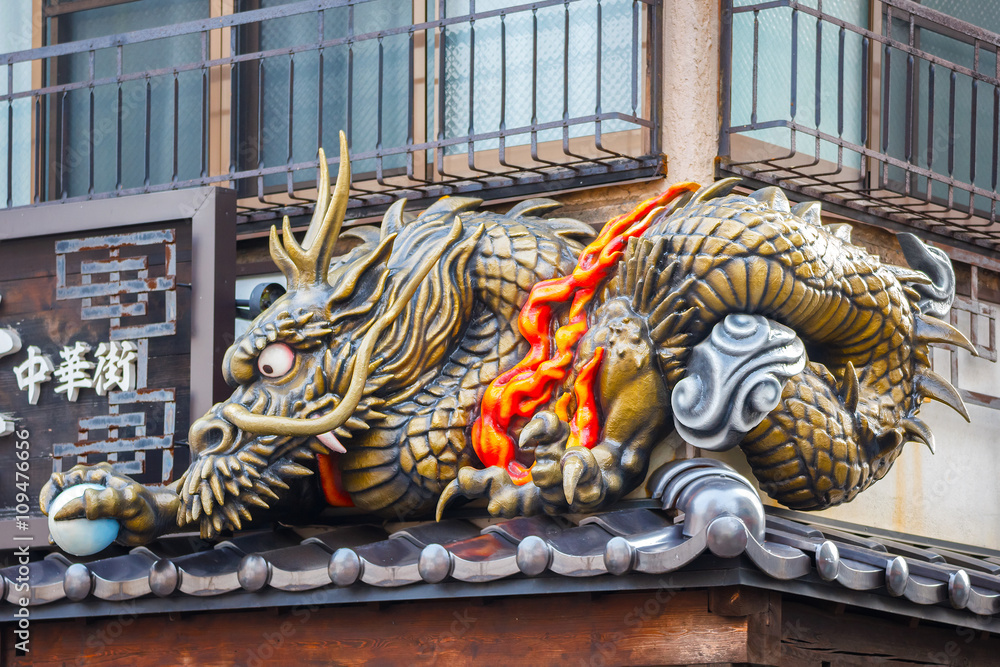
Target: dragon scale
x: 813, y: 450
x: 468, y: 353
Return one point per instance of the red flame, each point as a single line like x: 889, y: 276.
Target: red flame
x: 520, y: 391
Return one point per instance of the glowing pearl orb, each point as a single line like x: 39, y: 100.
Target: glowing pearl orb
x: 80, y: 537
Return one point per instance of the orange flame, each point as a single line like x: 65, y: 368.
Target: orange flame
x: 331, y: 480
x: 585, y: 428
x: 529, y: 384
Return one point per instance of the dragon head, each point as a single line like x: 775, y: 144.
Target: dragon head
x: 301, y: 371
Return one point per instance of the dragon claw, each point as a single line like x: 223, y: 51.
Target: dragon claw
x: 573, y: 469
x: 453, y: 489
x: 506, y: 498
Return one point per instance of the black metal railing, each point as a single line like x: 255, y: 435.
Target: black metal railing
x: 892, y: 115
x: 504, y: 100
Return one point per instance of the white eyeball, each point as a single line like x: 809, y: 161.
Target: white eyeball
x: 275, y: 360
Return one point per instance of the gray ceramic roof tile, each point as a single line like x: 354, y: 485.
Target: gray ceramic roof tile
x: 621, y: 542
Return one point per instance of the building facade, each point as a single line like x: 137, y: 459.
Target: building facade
x: 885, y: 111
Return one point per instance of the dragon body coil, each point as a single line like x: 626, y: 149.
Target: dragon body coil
x: 403, y: 371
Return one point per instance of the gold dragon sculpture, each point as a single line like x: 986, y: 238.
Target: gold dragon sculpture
x: 531, y: 363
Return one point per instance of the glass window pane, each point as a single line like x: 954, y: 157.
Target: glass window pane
x: 812, y: 72
x: 173, y: 98
x: 348, y: 87
x: 16, y: 36
x: 566, y: 88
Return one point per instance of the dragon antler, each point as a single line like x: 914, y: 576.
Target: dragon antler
x: 308, y: 264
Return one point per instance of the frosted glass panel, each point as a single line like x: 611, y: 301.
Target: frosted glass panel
x: 16, y: 36
x: 959, y: 146
x: 571, y: 90
x: 811, y: 74
x: 296, y: 100
x: 102, y: 138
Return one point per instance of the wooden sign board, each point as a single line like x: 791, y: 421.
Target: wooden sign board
x: 114, y: 316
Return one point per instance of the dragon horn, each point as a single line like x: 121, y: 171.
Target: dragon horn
x: 308, y: 264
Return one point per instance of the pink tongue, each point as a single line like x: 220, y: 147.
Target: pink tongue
x: 330, y: 441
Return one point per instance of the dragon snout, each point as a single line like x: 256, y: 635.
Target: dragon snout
x: 211, y: 434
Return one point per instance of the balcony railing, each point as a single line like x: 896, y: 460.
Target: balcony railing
x: 500, y: 100
x: 892, y: 113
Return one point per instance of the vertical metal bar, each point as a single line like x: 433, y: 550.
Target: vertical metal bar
x: 260, y: 127
x: 974, y: 119
x: 794, y: 93
x: 442, y: 47
x: 598, y: 71
x: 410, y: 93
x: 204, y: 105
x: 118, y: 142
x: 866, y: 112
x: 289, y: 185
x: 726, y: 75
x: 62, y: 148
x: 260, y: 113
x: 818, y: 100
x: 534, y: 74
x: 350, y: 75
x: 147, y: 132
x: 635, y: 53
x: 235, y: 84
x: 10, y: 135
x: 470, y: 147
x: 320, y: 36
x: 840, y: 82
x: 908, y: 116
x: 996, y: 125
x: 177, y: 90
x: 118, y: 119
x: 502, y: 147
x: 753, y: 78
x: 379, y: 111
x: 36, y: 102
x: 951, y: 124
x: 90, y: 144
x: 565, y: 81
x: 886, y: 69
x: 291, y: 106
x: 930, y: 118
x: 655, y: 19
x: 90, y: 134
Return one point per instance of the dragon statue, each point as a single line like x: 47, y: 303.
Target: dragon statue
x: 536, y: 365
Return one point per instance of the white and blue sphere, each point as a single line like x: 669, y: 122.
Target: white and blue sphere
x: 80, y: 537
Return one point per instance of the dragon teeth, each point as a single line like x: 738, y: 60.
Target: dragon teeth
x: 265, y: 490
x: 275, y: 481
x: 206, y: 466
x: 232, y: 516
x: 206, y: 497
x: 222, y: 465
x: 216, y: 485
x: 253, y: 499
x: 290, y: 469
x: 244, y: 512
x: 251, y: 459
x: 194, y: 478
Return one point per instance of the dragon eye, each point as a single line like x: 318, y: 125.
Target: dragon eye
x: 275, y: 360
